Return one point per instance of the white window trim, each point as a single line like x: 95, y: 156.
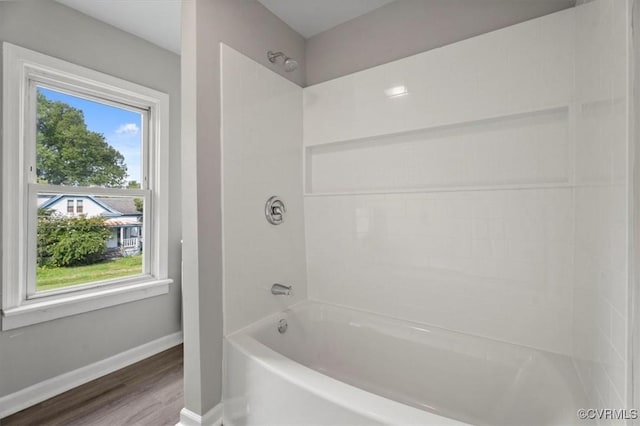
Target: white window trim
x: 20, y: 67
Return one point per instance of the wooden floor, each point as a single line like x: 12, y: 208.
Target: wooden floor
x: 149, y: 392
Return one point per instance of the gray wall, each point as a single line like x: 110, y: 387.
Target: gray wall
x: 251, y: 29
x: 31, y: 354
x: 407, y: 27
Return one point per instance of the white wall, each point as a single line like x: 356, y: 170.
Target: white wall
x: 30, y: 355
x: 453, y: 204
x: 261, y: 152
x: 602, y: 200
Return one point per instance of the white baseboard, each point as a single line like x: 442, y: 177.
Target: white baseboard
x: 39, y: 392
x: 212, y: 418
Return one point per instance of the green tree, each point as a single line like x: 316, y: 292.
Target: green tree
x: 70, y: 241
x: 68, y: 153
x: 139, y: 202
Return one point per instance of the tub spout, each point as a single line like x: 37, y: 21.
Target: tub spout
x: 281, y: 290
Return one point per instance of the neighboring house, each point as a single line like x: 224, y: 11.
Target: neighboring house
x: 121, y: 216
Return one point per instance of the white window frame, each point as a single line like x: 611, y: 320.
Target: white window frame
x: 23, y: 69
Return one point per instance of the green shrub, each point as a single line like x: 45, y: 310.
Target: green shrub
x: 70, y: 241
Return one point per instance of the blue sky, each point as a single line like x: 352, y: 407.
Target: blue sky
x: 120, y: 127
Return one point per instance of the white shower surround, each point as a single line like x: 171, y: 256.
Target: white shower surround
x: 261, y: 151
x: 604, y: 155
x: 519, y: 237
x: 517, y: 227
x: 483, y: 244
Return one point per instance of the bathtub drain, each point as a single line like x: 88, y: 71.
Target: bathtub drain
x: 282, y: 326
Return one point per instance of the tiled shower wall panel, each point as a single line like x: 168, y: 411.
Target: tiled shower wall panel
x: 470, y: 150
x: 602, y: 224
x: 491, y: 263
x: 261, y: 132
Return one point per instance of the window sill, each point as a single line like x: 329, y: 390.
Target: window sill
x: 73, y: 304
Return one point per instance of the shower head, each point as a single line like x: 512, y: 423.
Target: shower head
x: 289, y: 63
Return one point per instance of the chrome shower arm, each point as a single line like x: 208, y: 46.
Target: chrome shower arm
x: 274, y: 55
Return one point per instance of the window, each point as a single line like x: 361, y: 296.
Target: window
x: 96, y: 144
x: 86, y: 143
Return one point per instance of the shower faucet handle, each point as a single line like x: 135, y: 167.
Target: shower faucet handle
x: 278, y: 209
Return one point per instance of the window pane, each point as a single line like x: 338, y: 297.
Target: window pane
x: 86, y: 143
x: 101, y: 240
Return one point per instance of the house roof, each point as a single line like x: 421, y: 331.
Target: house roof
x: 114, y: 206
x: 126, y: 206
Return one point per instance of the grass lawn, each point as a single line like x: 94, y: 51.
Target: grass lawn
x: 50, y: 278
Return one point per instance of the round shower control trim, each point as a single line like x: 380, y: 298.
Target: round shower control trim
x: 274, y: 210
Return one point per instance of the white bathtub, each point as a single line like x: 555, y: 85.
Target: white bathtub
x: 336, y: 366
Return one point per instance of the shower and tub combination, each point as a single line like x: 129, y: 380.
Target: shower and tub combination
x: 449, y: 240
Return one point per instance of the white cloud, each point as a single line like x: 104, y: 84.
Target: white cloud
x: 128, y: 129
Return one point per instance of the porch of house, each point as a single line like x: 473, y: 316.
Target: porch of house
x: 125, y: 239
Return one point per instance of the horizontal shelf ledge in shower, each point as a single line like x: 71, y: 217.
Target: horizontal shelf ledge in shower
x: 551, y: 109
x: 409, y: 161
x: 565, y: 185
